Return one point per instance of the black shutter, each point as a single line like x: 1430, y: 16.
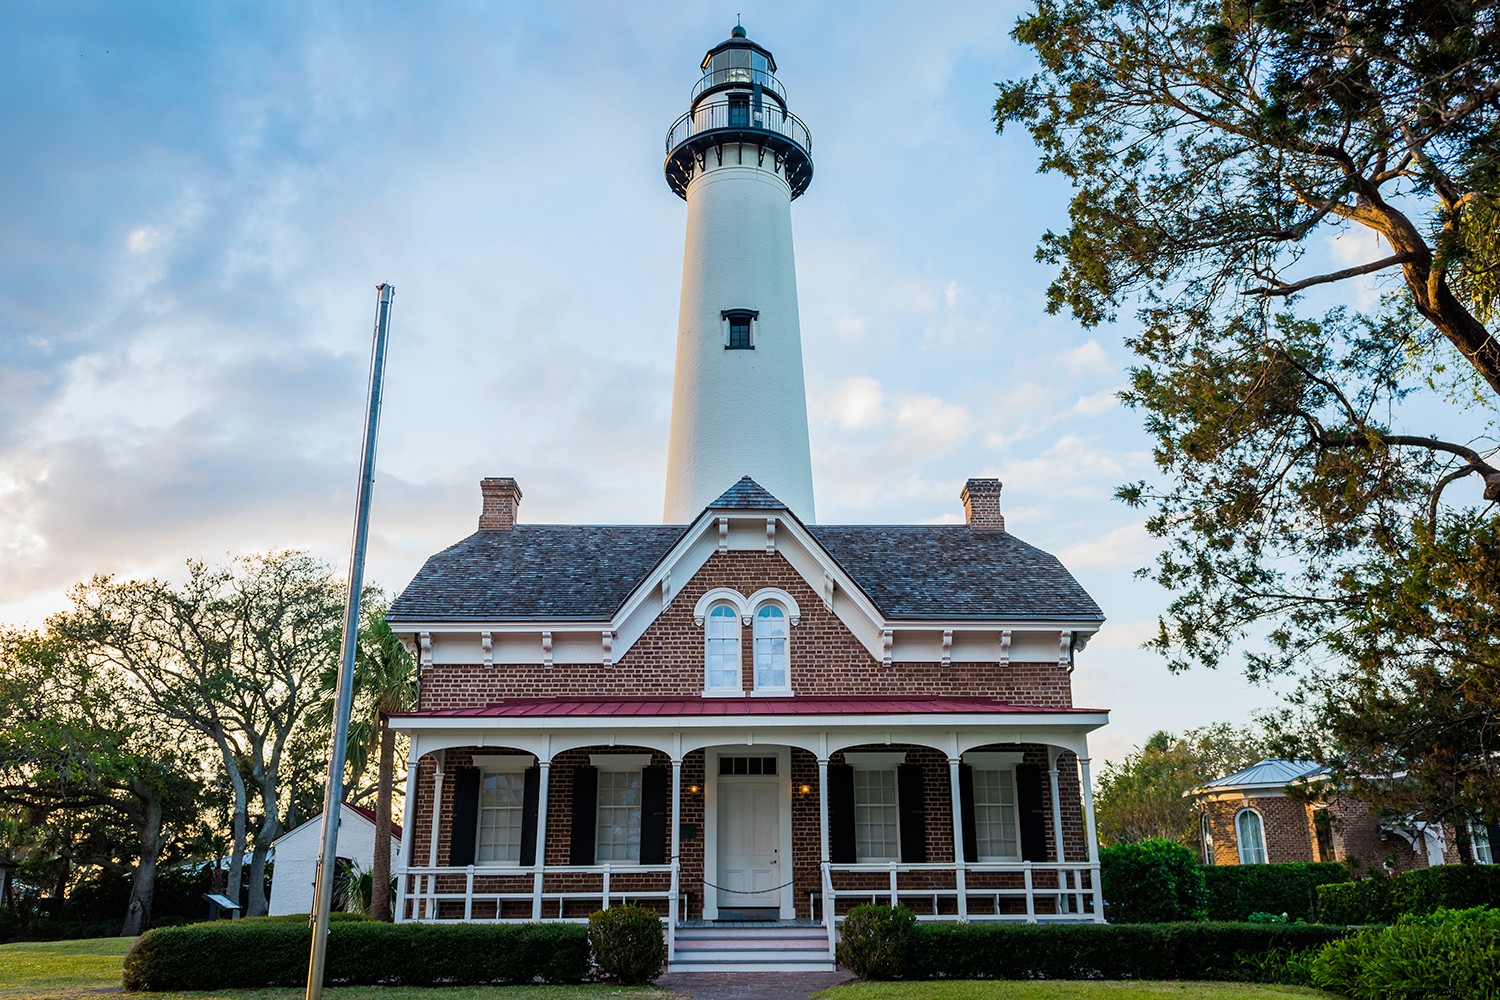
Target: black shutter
x: 913, y: 814
x: 1030, y: 804
x: 465, y: 826
x: 966, y: 812
x: 654, y: 816
x: 841, y: 814
x: 529, y: 795
x: 585, y: 815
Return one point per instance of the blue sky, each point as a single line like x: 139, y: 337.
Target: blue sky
x: 199, y: 199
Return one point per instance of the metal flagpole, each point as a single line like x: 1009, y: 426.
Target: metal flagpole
x: 333, y: 794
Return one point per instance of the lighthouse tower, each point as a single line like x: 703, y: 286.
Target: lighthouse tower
x: 738, y: 157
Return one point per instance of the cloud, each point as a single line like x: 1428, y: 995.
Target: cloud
x: 1086, y: 359
x: 1125, y: 547
x: 858, y: 403
x: 1097, y: 403
x: 936, y: 425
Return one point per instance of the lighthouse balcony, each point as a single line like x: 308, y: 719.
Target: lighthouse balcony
x: 713, y: 124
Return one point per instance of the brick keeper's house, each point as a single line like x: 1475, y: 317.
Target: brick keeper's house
x: 742, y: 718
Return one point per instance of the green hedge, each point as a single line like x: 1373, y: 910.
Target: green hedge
x: 1453, y: 954
x: 1211, y: 951
x: 628, y: 943
x: 246, y: 954
x: 1151, y: 882
x: 1236, y: 891
x: 1380, y: 900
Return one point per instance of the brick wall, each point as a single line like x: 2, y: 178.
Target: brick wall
x: 668, y: 659
x: 1285, y: 825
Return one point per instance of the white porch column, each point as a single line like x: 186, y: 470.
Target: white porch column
x: 432, y: 841
x: 1092, y: 832
x: 539, y: 862
x: 1057, y: 823
x: 960, y: 877
x: 823, y: 842
x: 672, y: 903
x: 408, y: 819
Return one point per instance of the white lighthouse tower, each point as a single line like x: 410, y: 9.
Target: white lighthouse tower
x: 738, y: 157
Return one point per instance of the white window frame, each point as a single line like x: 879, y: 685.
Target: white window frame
x: 726, y: 616
x: 792, y: 616
x: 1239, y: 837
x: 1206, y: 836
x: 631, y: 765
x: 1001, y: 762
x: 736, y: 602
x: 727, y: 316
x: 515, y: 765
x: 884, y: 763
x: 1479, y: 844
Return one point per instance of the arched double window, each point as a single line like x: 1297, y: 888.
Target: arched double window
x: 1251, y: 833
x: 771, y: 674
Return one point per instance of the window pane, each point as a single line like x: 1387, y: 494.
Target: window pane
x: 995, y: 818
x: 1252, y: 839
x: 875, y: 817
x: 500, y: 797
x: 770, y: 648
x: 723, y: 648
x: 618, y: 833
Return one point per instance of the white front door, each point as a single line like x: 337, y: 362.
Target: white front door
x: 749, y: 842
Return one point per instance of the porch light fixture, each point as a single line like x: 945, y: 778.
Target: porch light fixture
x: 694, y: 789
x: 803, y: 791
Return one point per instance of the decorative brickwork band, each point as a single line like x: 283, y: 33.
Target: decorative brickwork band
x: 981, y: 499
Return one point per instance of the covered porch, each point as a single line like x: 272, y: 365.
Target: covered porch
x: 787, y: 811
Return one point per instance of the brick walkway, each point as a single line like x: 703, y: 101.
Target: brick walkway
x: 750, y: 985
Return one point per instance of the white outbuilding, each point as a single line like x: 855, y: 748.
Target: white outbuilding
x: 296, y: 855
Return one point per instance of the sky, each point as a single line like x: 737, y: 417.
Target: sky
x: 198, y: 201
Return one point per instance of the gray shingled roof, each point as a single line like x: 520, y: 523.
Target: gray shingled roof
x: 747, y: 494
x: 585, y: 572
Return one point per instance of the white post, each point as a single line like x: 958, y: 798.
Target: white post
x: 824, y: 848
x: 1092, y: 833
x: 960, y: 876
x: 430, y: 903
x: 672, y: 906
x: 469, y: 894
x: 409, y: 815
x: 539, y: 861
x: 1057, y: 825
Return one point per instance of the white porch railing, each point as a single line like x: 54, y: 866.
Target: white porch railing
x: 422, y: 889
x: 1062, y: 883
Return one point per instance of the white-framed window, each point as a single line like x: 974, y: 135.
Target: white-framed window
x: 877, y: 820
x: 617, y: 829
x: 1251, y: 833
x: 1206, y: 834
x: 997, y: 821
x: 771, y: 648
x: 1479, y: 837
x: 500, y: 799
x: 739, y: 324
x: 721, y: 656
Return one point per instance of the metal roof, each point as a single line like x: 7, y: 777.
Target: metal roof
x: 1271, y: 771
x: 696, y: 706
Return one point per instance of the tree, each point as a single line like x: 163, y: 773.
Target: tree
x: 1215, y: 148
x: 234, y: 653
x: 69, y: 743
x: 1141, y: 797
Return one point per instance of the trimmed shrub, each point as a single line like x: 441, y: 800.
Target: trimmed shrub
x: 878, y: 942
x: 628, y: 943
x: 247, y: 954
x: 1237, y: 891
x: 1201, y: 951
x: 1367, y: 901
x: 1154, y: 881
x: 1451, y: 887
x: 1450, y: 954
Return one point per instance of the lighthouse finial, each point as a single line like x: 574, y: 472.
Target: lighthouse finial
x: 739, y: 29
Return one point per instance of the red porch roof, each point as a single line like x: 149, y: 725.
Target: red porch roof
x: 697, y: 706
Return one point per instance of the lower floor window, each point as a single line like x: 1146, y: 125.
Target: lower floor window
x: 500, y: 799
x: 996, y: 822
x: 1484, y: 851
x: 876, y: 818
x: 1251, y: 836
x: 618, y: 835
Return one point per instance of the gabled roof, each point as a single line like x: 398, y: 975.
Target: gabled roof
x: 747, y: 494
x: 564, y: 572
x: 1271, y: 771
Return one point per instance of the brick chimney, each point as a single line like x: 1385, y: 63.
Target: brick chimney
x: 981, y: 499
x: 502, y: 501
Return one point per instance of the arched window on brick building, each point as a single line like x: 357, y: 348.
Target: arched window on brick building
x: 1251, y: 833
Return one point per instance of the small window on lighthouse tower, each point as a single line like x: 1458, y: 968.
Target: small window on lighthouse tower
x: 739, y: 329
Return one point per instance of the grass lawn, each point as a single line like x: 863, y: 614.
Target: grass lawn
x: 1032, y: 990
x: 73, y: 970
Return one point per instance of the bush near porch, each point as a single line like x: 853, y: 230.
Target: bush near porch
x: 1380, y: 899
x: 1152, y: 881
x: 248, y: 954
x: 1185, y: 951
